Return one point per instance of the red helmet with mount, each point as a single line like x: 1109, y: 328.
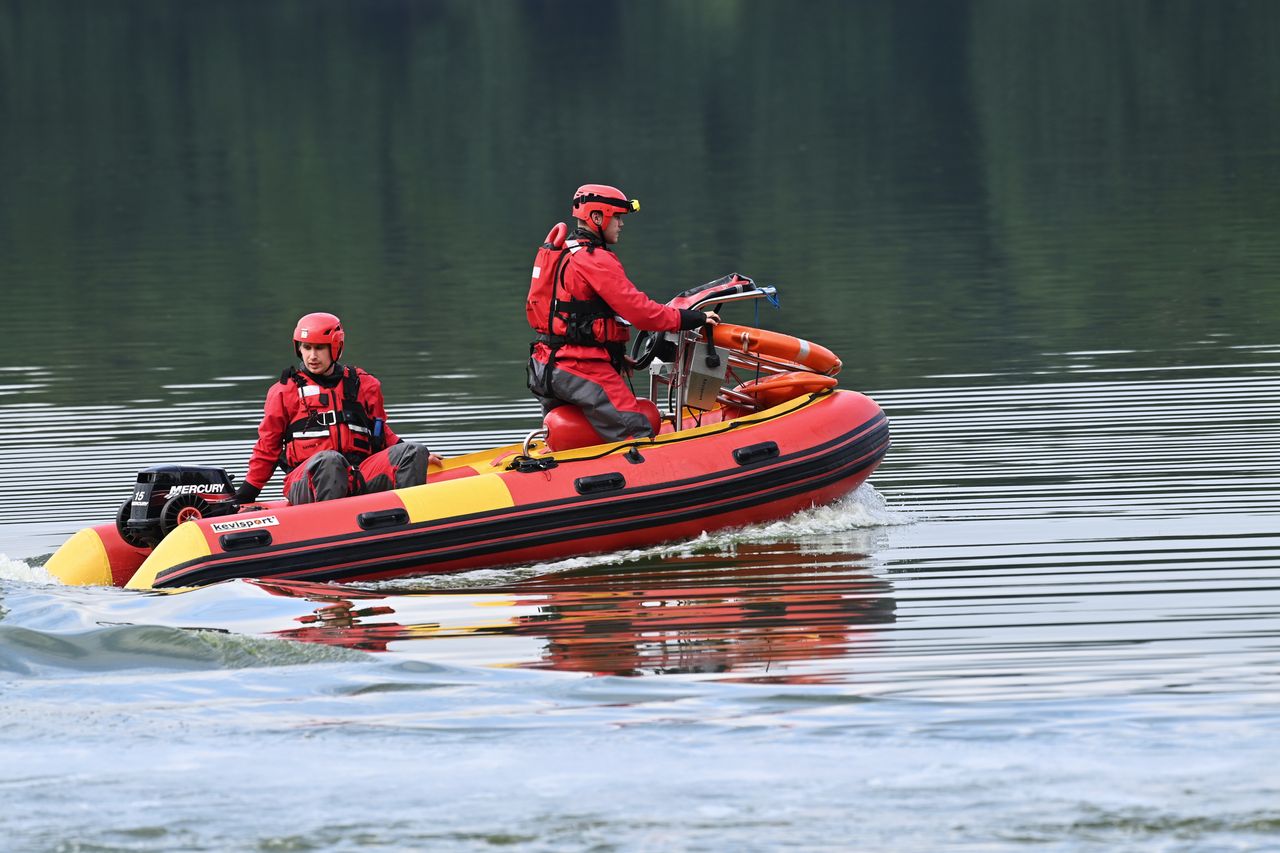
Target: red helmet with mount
x: 608, y: 200
x: 319, y: 328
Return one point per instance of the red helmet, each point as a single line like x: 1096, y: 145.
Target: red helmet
x: 606, y: 199
x: 319, y: 328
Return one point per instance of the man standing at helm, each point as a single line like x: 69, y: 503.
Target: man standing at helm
x: 579, y: 359
x: 325, y: 424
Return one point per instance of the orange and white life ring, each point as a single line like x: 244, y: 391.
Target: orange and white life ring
x: 780, y: 387
x: 775, y: 345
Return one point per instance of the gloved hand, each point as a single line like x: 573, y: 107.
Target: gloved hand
x: 247, y: 494
x: 691, y: 319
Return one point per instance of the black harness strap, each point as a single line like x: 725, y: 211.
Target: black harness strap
x: 354, y: 414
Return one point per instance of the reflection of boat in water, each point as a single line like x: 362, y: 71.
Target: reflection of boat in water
x: 694, y: 617
x: 752, y: 431
x: 773, y: 607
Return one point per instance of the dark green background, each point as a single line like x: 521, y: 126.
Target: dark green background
x: 934, y: 186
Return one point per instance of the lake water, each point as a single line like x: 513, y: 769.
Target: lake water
x: 1040, y: 235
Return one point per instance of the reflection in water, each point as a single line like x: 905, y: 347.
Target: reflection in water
x: 340, y: 620
x: 693, y: 616
x: 773, y: 606
x: 997, y: 177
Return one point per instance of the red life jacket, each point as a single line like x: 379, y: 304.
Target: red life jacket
x: 557, y: 318
x: 330, y: 418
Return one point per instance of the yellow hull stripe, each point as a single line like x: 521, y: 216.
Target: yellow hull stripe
x: 185, y: 543
x: 455, y: 497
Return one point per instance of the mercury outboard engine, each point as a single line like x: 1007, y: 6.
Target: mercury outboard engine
x: 167, y: 495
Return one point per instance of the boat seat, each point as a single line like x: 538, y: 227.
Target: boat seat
x: 568, y: 428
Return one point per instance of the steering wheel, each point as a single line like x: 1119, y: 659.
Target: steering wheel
x: 643, y: 349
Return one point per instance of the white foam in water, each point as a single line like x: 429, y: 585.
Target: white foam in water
x: 863, y: 508
x: 17, y: 570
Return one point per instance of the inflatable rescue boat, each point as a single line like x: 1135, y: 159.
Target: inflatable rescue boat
x: 752, y: 428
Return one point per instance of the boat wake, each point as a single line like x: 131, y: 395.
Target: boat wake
x: 18, y: 570
x: 864, y: 508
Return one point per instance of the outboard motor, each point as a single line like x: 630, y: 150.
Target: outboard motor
x: 167, y: 495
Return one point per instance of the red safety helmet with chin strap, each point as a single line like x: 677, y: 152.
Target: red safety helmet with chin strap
x: 319, y: 328
x: 608, y: 200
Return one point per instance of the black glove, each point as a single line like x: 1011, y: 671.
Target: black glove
x: 247, y: 494
x: 691, y: 319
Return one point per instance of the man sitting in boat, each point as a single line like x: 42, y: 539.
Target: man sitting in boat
x: 326, y: 426
x: 578, y: 294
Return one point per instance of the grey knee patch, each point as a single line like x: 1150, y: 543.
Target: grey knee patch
x: 410, y: 463
x: 327, y: 477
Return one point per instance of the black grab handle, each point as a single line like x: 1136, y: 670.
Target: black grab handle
x: 378, y: 518
x: 756, y: 452
x: 600, y: 483
x: 242, y: 539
